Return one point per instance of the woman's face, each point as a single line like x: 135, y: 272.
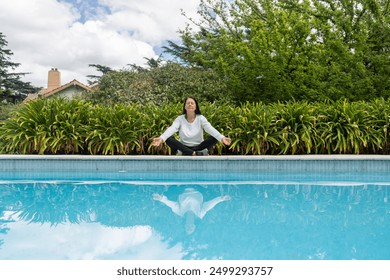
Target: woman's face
x: 190, y: 105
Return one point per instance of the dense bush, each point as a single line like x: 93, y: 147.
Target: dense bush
x: 7, y: 109
x: 59, y: 126
x: 168, y: 83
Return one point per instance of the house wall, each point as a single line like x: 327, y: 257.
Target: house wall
x: 69, y: 92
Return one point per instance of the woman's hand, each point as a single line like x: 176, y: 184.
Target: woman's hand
x: 157, y: 141
x: 158, y: 197
x: 226, y: 141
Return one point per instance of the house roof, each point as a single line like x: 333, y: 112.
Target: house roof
x: 44, y: 93
x: 61, y: 88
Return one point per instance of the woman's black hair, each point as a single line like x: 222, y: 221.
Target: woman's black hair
x: 197, y: 110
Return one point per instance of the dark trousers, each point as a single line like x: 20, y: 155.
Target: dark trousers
x: 175, y: 145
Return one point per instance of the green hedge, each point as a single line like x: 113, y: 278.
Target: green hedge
x: 58, y: 126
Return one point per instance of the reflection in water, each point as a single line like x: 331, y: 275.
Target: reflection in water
x: 84, y: 241
x: 110, y: 220
x: 190, y: 203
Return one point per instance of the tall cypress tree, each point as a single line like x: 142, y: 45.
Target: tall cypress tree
x: 12, y: 88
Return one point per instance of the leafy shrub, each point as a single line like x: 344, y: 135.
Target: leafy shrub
x: 58, y: 126
x: 46, y: 126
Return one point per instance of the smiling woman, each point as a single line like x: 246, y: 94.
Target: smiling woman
x: 190, y: 126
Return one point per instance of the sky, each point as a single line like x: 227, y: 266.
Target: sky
x: 71, y: 34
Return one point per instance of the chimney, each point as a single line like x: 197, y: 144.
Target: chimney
x: 54, y: 79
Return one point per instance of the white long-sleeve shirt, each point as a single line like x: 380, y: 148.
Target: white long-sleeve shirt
x: 191, y: 134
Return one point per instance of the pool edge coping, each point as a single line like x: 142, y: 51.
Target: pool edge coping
x: 211, y: 158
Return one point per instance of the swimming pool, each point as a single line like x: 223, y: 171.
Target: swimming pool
x: 283, y: 208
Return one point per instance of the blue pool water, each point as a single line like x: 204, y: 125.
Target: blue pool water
x: 279, y: 216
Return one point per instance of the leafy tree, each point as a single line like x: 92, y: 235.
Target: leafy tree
x: 100, y: 68
x: 273, y: 50
x: 12, y: 88
x: 151, y: 63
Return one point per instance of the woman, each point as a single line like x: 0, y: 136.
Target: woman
x: 190, y: 126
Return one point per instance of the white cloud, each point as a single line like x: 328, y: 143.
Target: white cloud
x: 151, y: 20
x: 84, y: 241
x: 45, y: 33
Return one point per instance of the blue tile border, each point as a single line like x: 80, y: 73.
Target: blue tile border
x: 224, y: 164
